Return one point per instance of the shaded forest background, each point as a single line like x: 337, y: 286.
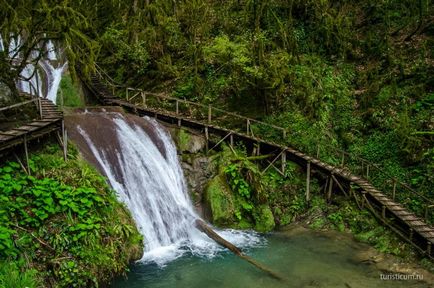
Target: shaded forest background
x: 355, y: 75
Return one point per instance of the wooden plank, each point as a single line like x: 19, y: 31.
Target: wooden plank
x: 5, y: 137
x: 27, y: 128
x: 14, y: 132
x: 37, y: 124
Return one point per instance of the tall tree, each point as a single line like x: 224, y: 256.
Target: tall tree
x: 28, y: 25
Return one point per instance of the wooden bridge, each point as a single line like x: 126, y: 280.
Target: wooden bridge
x: 49, y: 120
x: 392, y: 202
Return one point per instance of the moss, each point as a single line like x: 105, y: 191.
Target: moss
x: 183, y: 140
x: 264, y: 219
x: 220, y: 201
x: 69, y: 94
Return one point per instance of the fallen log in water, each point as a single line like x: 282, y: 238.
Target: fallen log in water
x: 202, y: 226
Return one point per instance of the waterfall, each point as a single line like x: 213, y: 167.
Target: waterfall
x: 141, y: 164
x: 53, y: 75
x: 31, y: 80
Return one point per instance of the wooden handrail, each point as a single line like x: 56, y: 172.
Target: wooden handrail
x: 251, y: 120
x: 18, y: 104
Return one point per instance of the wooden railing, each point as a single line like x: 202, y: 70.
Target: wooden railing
x: 389, y: 185
x: 34, y: 95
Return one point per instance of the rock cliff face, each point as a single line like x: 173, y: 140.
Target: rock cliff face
x: 210, y: 190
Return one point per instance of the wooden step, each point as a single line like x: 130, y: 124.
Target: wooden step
x: 26, y: 128
x: 37, y: 124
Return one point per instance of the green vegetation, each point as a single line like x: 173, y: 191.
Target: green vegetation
x: 62, y: 224
x: 240, y: 196
x: 349, y: 75
x: 343, y: 215
x: 68, y: 94
x: 353, y: 75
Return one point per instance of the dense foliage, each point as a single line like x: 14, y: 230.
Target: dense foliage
x: 354, y: 75
x: 61, y: 226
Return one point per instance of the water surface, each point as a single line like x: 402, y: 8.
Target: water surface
x: 304, y: 259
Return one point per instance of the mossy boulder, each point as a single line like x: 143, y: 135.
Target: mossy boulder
x: 264, y: 219
x: 188, y: 141
x: 220, y: 201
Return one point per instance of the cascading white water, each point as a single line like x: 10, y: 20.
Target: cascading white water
x: 2, y: 47
x: 31, y: 81
x: 150, y: 182
x: 54, y: 75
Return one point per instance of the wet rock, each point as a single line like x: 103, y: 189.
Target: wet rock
x: 220, y: 201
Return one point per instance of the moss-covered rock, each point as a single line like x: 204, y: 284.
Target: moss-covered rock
x: 187, y: 141
x: 264, y: 219
x: 220, y: 201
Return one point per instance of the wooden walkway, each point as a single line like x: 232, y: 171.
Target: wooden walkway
x: 50, y: 120
x: 413, y: 229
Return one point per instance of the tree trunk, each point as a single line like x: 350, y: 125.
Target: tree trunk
x: 202, y: 226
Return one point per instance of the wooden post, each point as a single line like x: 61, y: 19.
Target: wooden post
x: 177, y: 106
x: 363, y: 200
x: 209, y: 114
x: 248, y: 127
x: 126, y: 93
x: 65, y: 146
x: 284, y: 162
x: 383, y: 212
x: 307, y: 182
x: 426, y: 213
x: 339, y: 185
x: 411, y: 234
x: 284, y: 134
x: 258, y: 151
x: 26, y: 152
x: 206, y: 140
x: 37, y: 83
x: 343, y: 159
x: 367, y: 171
x: 428, y: 249
x: 394, y: 189
x: 143, y: 98
x: 317, y: 151
x: 64, y: 136
x: 40, y: 107
x: 231, y: 140
x: 329, y: 193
